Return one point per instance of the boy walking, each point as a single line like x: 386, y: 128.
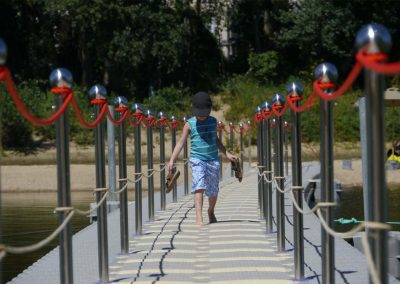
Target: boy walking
x: 204, y: 163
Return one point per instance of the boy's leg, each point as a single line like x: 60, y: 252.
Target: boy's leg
x: 212, y: 200
x: 198, y: 204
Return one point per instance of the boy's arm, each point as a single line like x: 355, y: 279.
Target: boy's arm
x: 222, y: 148
x: 179, y: 146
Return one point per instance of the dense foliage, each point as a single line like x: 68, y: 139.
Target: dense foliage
x: 160, y: 52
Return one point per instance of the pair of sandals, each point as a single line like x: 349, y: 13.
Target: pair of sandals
x: 236, y: 166
x: 171, y: 180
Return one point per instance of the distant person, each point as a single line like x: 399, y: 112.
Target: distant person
x: 394, y: 152
x: 204, y: 162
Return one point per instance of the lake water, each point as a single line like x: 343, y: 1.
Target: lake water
x: 26, y: 218
x: 351, y: 206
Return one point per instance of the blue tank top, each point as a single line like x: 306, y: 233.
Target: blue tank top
x: 203, y: 138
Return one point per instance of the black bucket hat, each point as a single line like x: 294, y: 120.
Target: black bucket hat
x: 201, y: 104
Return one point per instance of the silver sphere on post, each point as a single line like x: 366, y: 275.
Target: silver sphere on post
x: 61, y: 78
x: 295, y: 89
x: 375, y: 37
x: 149, y: 113
x: 162, y: 114
x: 121, y: 101
x: 174, y: 118
x: 258, y: 109
x: 326, y: 72
x: 278, y: 99
x: 98, y: 92
x: 3, y: 52
x: 266, y: 106
x: 137, y: 107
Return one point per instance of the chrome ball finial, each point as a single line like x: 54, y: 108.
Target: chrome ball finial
x: 295, y: 89
x: 278, y: 99
x: 60, y: 78
x: 258, y: 109
x: 174, y: 118
x: 3, y: 52
x: 375, y: 37
x: 148, y: 112
x: 137, y: 107
x: 162, y: 114
x: 98, y: 92
x: 326, y: 72
x: 266, y: 106
x: 121, y: 101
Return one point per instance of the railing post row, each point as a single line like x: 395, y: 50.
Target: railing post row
x: 162, y: 163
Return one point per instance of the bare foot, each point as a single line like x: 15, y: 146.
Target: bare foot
x: 212, y: 218
x: 200, y: 224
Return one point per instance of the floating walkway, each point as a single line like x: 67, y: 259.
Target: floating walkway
x: 236, y: 249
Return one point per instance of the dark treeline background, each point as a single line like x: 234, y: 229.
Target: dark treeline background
x: 160, y: 52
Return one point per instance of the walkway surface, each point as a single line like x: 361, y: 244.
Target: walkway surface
x: 236, y: 249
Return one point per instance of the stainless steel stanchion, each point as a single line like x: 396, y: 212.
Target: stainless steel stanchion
x: 122, y: 107
x: 162, y: 123
x: 99, y: 93
x: 221, y: 128
x: 248, y: 132
x: 174, y: 125
x: 63, y: 78
x: 295, y: 91
x: 231, y: 141
x: 112, y: 168
x: 376, y: 39
x: 327, y: 73
x: 241, y: 130
x: 185, y: 163
x: 267, y: 166
x: 286, y: 142
x: 262, y: 164
x: 260, y: 169
x: 137, y: 110
x: 278, y: 101
x: 150, y: 164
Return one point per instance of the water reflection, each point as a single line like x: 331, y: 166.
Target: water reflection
x: 351, y: 206
x: 27, y: 218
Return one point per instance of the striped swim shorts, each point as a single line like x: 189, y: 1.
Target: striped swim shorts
x: 205, y: 175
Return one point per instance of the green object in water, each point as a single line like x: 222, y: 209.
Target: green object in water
x: 355, y: 221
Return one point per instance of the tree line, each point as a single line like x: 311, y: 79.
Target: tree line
x: 161, y: 51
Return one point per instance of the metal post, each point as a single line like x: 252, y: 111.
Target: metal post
x: 295, y: 90
x: 173, y: 144
x: 280, y: 198
x: 267, y: 167
x: 100, y: 92
x: 123, y: 196
x: 150, y: 179
x: 377, y: 40
x: 162, y: 164
x: 231, y: 141
x: 64, y: 192
x: 286, y: 142
x: 138, y: 184
x: 186, y: 165
x: 241, y: 129
x: 326, y: 73
x: 112, y: 179
x: 262, y: 169
x: 364, y: 158
x: 220, y: 129
x: 376, y: 170
x: 249, y: 141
